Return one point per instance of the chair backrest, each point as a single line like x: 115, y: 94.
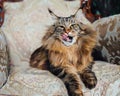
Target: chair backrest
x: 2, y: 11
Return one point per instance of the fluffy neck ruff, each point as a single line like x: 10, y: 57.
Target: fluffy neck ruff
x: 78, y: 53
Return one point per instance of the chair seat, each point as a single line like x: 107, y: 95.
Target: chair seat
x: 34, y: 82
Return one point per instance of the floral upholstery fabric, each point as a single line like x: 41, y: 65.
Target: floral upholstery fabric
x: 33, y: 82
x: 3, y: 59
x: 25, y: 24
x: 109, y: 38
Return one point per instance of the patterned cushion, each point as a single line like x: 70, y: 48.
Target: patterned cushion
x: 109, y: 38
x: 3, y: 59
x: 33, y: 82
x: 37, y: 83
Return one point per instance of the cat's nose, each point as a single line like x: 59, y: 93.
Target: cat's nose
x: 68, y: 30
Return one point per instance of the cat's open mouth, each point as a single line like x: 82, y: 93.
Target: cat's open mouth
x: 67, y: 38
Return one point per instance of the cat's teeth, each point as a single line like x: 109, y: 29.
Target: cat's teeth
x: 66, y: 37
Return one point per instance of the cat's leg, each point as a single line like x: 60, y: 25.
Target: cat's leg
x: 88, y: 77
x: 71, y: 80
x: 39, y: 58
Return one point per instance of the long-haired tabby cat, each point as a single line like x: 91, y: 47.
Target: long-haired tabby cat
x: 66, y: 52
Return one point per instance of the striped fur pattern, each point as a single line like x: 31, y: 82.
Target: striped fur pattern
x: 66, y: 52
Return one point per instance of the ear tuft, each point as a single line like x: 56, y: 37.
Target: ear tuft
x: 52, y: 14
x: 50, y: 11
x: 75, y: 14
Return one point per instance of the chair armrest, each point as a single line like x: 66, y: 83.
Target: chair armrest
x: 109, y: 37
x: 3, y: 59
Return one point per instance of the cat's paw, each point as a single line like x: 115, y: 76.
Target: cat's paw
x: 76, y: 93
x: 89, y: 79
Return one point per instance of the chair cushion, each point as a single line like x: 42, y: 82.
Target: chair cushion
x: 33, y: 82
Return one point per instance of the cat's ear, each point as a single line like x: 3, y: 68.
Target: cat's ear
x: 77, y: 12
x: 53, y: 15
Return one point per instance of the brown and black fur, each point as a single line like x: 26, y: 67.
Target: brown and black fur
x: 71, y: 63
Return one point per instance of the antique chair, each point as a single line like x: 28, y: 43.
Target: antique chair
x: 25, y: 23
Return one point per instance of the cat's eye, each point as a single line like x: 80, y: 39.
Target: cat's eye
x: 60, y: 29
x: 75, y: 27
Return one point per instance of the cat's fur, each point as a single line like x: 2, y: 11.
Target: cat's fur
x: 66, y: 52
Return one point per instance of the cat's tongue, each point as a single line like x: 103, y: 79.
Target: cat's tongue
x: 66, y: 37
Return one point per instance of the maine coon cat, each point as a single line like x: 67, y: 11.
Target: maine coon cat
x: 66, y: 52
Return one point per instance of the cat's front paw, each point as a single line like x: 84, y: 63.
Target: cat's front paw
x: 89, y: 79
x: 77, y: 93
